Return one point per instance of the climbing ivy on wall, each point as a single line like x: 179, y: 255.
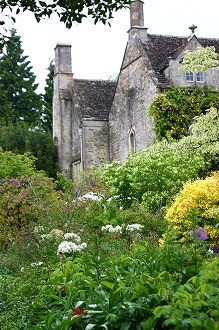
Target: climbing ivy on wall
x: 174, y: 110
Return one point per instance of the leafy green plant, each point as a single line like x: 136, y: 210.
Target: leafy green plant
x: 153, y: 177
x: 20, y: 139
x: 24, y: 203
x: 175, y: 109
x: 195, y: 304
x: 13, y: 166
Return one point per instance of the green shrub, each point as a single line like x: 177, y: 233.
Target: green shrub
x: 104, y: 285
x: 194, y: 305
x: 13, y: 166
x: 24, y: 203
x: 174, y: 110
x: 154, y: 176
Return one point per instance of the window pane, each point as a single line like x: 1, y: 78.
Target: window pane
x: 189, y: 76
x: 200, y: 77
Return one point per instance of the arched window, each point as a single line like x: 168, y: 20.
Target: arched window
x: 131, y: 141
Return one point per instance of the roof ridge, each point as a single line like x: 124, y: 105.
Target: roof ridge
x: 95, y: 80
x: 166, y: 35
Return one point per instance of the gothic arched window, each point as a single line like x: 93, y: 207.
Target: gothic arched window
x: 131, y: 141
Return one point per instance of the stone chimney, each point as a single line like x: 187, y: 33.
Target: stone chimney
x: 62, y: 106
x: 63, y: 66
x: 136, y: 13
x: 137, y: 21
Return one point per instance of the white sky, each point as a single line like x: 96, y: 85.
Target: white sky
x: 97, y: 50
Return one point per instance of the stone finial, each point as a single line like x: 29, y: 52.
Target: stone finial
x: 136, y: 13
x: 192, y: 28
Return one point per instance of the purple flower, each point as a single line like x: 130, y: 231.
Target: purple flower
x: 214, y: 249
x: 15, y: 182
x: 26, y: 179
x: 199, y: 233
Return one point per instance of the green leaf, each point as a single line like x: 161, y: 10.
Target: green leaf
x: 108, y: 284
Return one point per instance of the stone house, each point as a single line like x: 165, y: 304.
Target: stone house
x: 97, y: 121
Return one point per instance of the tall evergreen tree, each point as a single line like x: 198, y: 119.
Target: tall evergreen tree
x: 47, y: 99
x: 17, y: 85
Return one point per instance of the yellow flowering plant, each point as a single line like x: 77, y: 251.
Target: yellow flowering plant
x: 196, y: 207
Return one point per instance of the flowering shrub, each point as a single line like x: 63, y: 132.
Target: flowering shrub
x: 24, y: 203
x: 195, y: 212
x: 134, y: 227
x: 199, y: 233
x: 73, y: 236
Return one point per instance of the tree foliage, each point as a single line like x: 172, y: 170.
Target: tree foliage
x: 13, y: 166
x: 200, y: 60
x: 19, y: 98
x: 47, y: 99
x: 68, y: 11
x: 175, y: 109
x: 19, y: 139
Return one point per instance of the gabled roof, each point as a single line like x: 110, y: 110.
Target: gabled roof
x: 94, y: 97
x: 160, y: 48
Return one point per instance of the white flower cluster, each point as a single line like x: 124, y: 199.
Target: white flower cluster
x: 38, y: 229
x: 68, y: 247
x: 73, y: 236
x: 36, y: 264
x: 54, y: 233
x: 90, y: 195
x: 118, y: 229
x: 134, y: 227
x: 111, y: 229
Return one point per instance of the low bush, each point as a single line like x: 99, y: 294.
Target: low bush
x: 24, y: 203
x: 195, y: 212
x: 194, y: 305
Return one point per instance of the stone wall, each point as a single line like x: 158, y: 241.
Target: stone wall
x: 95, y: 137
x: 135, y: 91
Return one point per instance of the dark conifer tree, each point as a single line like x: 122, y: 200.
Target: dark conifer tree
x: 20, y: 102
x: 47, y: 99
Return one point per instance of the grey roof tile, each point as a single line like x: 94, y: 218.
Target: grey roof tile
x: 160, y: 48
x: 94, y: 97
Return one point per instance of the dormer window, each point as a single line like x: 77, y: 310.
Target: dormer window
x: 198, y: 77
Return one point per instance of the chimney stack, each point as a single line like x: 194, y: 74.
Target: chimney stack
x: 137, y: 21
x: 136, y: 13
